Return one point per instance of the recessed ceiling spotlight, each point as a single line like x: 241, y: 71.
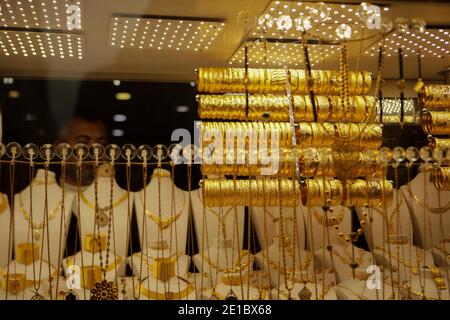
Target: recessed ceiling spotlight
x: 181, y: 109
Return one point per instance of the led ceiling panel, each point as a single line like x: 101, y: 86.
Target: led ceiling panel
x: 164, y: 33
x: 432, y: 43
x: 40, y: 14
x: 41, y: 44
x: 276, y: 54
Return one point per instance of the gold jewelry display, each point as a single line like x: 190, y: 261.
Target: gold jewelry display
x: 101, y: 216
x: 164, y: 224
x: 27, y: 253
x: 37, y: 227
x: 390, y: 216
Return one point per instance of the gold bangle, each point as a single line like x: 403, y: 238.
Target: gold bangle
x: 95, y: 244
x: 27, y: 253
x: 13, y: 282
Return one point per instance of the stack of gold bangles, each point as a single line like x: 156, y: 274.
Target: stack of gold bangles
x: 441, y: 178
x: 439, y: 143
x: 265, y: 81
x: 344, y: 164
x: 257, y: 193
x: 435, y: 96
x: 276, y: 108
x: 436, y: 122
x: 360, y: 135
x: 334, y: 192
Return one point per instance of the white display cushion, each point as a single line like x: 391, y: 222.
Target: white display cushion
x: 441, y: 254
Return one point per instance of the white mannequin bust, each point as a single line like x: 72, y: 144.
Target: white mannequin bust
x: 23, y: 230
x: 119, y: 221
x: 263, y: 222
x: 422, y: 198
x: 5, y: 218
x: 398, y: 238
x: 166, y: 214
x: 413, y: 288
x: 222, y: 254
x: 208, y: 225
x: 271, y: 259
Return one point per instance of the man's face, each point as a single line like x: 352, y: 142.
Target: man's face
x: 82, y: 131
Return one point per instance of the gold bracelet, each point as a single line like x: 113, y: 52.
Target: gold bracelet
x: 27, y: 253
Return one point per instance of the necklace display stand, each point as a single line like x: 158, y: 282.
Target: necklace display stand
x: 5, y: 218
x: 166, y: 214
x: 23, y: 228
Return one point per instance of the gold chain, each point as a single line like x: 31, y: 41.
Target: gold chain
x: 166, y: 295
x: 106, y: 208
x: 414, y: 268
x: 390, y: 217
x: 165, y: 223
x: 38, y: 226
x: 348, y: 259
x: 330, y: 221
x: 234, y: 268
x: 221, y: 217
x: 439, y: 210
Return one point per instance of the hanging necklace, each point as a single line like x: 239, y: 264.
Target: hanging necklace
x: 37, y: 227
x: 101, y: 215
x: 330, y: 221
x: 390, y: 217
x: 440, y: 210
x: 165, y: 223
x: 104, y: 290
x: 221, y: 217
x: 348, y: 258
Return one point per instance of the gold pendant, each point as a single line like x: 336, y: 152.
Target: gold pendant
x: 37, y: 296
x: 105, y: 290
x: 305, y: 294
x: 231, y: 295
x: 101, y: 219
x: 36, y: 234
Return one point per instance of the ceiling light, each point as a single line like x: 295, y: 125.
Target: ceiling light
x: 120, y: 118
x: 123, y: 96
x: 181, y: 109
x: 117, y: 133
x: 116, y: 83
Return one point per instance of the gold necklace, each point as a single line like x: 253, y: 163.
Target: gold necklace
x: 390, y: 217
x: 165, y: 223
x: 234, y: 269
x: 349, y: 259
x: 414, y: 268
x: 4, y: 203
x: 101, y: 216
x: 169, y: 295
x: 37, y: 226
x: 283, y: 270
x: 221, y: 217
x: 330, y: 221
x: 439, y: 210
